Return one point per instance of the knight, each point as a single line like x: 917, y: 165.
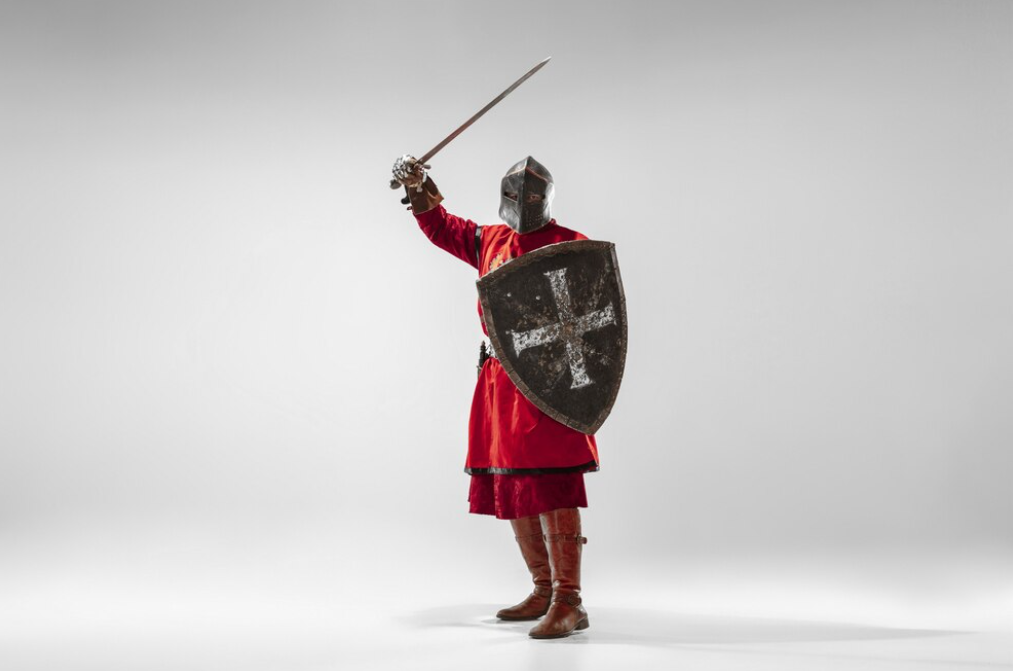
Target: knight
x: 525, y: 466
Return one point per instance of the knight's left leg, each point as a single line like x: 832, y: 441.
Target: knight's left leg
x: 565, y: 544
x: 528, y: 531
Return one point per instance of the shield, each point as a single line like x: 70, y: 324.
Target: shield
x: 557, y: 320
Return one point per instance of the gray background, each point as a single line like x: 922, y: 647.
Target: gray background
x: 234, y: 372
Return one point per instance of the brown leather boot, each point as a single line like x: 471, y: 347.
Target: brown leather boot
x: 528, y: 531
x: 563, y: 539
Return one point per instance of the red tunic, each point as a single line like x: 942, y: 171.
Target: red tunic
x: 507, y: 434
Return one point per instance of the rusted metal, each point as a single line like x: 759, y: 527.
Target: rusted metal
x: 556, y: 317
x: 526, y: 193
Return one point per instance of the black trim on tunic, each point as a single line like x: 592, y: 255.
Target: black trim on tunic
x: 589, y: 467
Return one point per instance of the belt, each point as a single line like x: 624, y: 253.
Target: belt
x: 485, y: 351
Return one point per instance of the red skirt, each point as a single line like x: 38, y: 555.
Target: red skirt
x: 511, y: 497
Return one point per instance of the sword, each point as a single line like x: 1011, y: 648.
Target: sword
x: 394, y: 184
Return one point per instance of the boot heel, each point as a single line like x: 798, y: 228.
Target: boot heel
x: 583, y: 624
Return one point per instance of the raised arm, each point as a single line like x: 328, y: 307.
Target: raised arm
x: 451, y: 233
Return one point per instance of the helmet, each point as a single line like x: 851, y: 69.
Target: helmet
x: 526, y: 196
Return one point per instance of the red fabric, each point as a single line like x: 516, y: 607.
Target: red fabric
x: 501, y: 243
x: 510, y: 497
x: 450, y: 233
x: 506, y: 431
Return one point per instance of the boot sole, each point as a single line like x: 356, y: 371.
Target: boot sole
x: 583, y: 624
x: 519, y: 619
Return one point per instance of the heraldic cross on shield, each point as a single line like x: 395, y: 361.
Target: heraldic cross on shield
x: 570, y: 329
x: 564, y: 349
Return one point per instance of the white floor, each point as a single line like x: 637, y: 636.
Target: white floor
x: 89, y: 598
x: 465, y: 636
x: 619, y: 638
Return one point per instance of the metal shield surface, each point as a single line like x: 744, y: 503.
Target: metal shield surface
x: 557, y: 320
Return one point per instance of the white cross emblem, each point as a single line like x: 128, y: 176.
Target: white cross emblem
x: 570, y: 329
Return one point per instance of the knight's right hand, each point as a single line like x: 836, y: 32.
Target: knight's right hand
x: 408, y: 171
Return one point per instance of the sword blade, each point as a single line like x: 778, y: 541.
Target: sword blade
x: 475, y: 117
x: 478, y: 115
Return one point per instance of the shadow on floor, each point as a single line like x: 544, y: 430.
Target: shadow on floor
x: 663, y: 628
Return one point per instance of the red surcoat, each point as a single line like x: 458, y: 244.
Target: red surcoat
x: 507, y: 433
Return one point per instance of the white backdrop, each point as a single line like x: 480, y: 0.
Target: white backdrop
x: 228, y: 352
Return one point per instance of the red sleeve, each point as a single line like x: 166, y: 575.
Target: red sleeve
x: 451, y: 233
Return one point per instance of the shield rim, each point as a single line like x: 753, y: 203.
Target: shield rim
x: 495, y: 276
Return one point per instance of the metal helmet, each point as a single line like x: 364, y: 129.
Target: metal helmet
x: 526, y: 196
